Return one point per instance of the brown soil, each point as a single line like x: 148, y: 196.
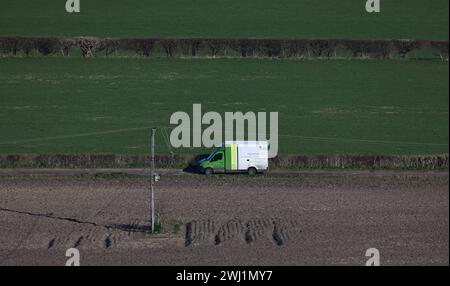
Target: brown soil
x: 293, y: 219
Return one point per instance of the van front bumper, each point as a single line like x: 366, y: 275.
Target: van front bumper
x: 197, y: 169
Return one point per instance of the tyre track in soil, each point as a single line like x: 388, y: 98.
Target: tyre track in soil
x: 82, y: 233
x: 277, y: 230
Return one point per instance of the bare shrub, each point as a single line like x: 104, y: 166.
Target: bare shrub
x: 294, y: 48
x: 88, y: 45
x: 47, y: 46
x: 9, y: 45
x: 65, y: 44
x: 215, y: 46
x: 270, y: 48
x: 404, y: 47
x: 442, y: 47
x: 322, y: 48
x: 169, y: 46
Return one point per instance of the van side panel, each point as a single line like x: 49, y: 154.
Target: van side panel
x: 253, y: 156
x: 241, y: 155
x: 227, y: 157
x: 231, y: 158
x: 234, y: 157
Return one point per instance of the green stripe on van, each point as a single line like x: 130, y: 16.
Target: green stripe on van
x: 228, y: 157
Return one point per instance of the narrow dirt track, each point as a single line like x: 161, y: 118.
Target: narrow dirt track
x: 276, y: 219
x: 143, y: 171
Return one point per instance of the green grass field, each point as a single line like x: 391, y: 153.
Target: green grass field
x: 67, y: 105
x: 400, y: 19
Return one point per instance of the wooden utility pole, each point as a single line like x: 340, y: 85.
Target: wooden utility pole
x: 152, y: 177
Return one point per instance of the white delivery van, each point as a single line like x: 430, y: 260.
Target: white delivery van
x: 236, y: 157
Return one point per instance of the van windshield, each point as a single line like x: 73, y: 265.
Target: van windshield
x: 211, y: 155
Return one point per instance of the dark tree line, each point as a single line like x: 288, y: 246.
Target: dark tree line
x: 216, y: 47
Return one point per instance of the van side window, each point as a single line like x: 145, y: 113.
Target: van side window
x: 217, y: 157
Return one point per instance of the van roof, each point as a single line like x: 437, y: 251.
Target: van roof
x: 245, y: 143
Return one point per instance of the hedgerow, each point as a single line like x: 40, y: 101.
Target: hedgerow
x: 218, y: 47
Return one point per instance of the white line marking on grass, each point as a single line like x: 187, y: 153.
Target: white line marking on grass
x: 362, y: 141
x: 324, y: 139
x: 73, y: 135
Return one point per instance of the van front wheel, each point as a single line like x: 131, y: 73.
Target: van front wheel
x: 209, y: 171
x: 252, y: 171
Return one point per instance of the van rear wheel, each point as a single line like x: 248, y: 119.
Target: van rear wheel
x: 209, y: 171
x: 252, y: 171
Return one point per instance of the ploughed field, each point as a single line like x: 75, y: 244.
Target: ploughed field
x: 74, y: 105
x: 400, y: 19
x: 292, y: 219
